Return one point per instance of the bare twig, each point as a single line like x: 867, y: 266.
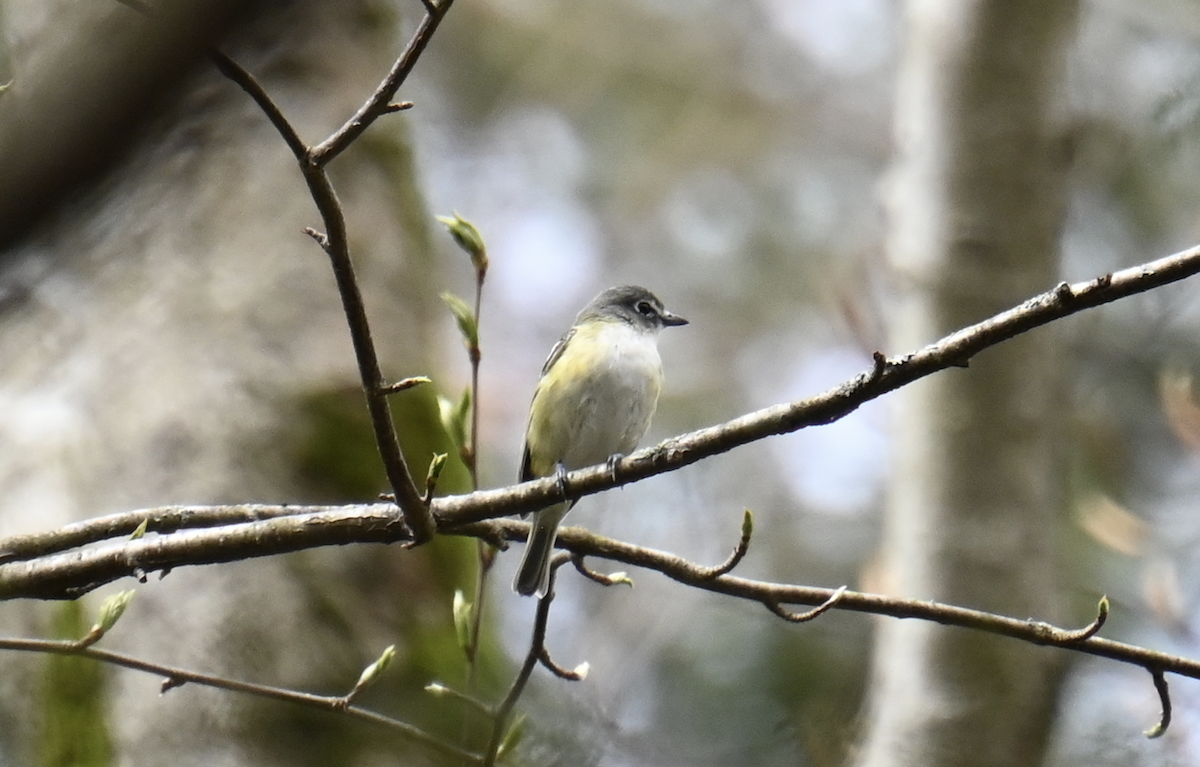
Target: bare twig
x: 162, y: 519
x: 1055, y: 635
x: 808, y: 615
x: 739, y: 551
x: 335, y: 242
x: 416, y: 513
x: 577, y: 674
x: 176, y: 677
x: 68, y: 574
x: 253, y: 88
x: 537, y: 646
x: 611, y: 579
x: 886, y: 375
x: 378, y: 104
x: 453, y: 512
x: 57, y: 575
x: 1164, y: 698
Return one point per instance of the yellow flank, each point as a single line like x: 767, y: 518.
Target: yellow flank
x: 607, y: 378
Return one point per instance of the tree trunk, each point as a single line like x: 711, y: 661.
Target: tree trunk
x: 976, y: 207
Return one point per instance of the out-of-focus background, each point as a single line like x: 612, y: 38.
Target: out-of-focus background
x: 169, y: 335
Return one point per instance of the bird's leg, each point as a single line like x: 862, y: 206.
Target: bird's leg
x: 560, y: 479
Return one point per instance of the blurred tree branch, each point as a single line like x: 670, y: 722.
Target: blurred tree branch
x: 174, y: 677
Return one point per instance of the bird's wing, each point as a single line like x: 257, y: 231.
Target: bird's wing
x: 555, y: 353
x: 526, y: 469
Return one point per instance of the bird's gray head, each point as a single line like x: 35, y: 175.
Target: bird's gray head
x: 633, y: 304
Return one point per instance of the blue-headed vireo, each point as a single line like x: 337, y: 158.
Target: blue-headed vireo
x: 593, y: 403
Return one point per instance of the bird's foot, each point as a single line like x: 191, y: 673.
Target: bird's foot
x: 560, y: 479
x: 612, y: 462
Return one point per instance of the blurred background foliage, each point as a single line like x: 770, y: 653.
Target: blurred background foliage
x: 167, y: 334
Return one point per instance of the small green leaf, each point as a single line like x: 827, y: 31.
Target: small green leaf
x: 747, y: 524
x: 462, y: 610
x: 512, y: 737
x: 435, y: 470
x: 111, y: 611
x: 140, y: 530
x: 454, y: 418
x: 70, y: 702
x: 464, y: 408
x: 372, y: 672
x: 469, y: 239
x: 465, y: 318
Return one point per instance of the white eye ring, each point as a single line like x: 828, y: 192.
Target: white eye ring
x: 646, y: 309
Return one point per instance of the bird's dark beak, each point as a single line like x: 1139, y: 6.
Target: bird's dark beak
x: 669, y: 319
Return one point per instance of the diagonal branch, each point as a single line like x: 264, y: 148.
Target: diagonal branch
x: 454, y: 514
x: 887, y: 375
x: 175, y: 677
x: 380, y: 101
x: 53, y: 576
x: 335, y: 241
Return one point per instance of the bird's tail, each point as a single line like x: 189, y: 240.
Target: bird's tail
x: 533, y: 577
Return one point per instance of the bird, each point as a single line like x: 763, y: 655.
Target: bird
x: 593, y: 403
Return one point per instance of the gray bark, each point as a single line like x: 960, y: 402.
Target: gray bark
x: 976, y: 207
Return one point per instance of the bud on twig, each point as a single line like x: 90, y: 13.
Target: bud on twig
x: 469, y: 239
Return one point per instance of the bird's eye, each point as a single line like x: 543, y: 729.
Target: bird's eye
x: 646, y: 309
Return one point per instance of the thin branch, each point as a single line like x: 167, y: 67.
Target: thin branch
x: 536, y: 647
x: 539, y: 645
x: 611, y: 579
x: 58, y: 576
x: 739, y: 551
x: 70, y: 573
x: 248, y: 83
x: 582, y: 543
x: 176, y: 677
x: 463, y: 514
x: 378, y: 103
x: 885, y: 376
x: 1164, y: 698
x: 1055, y: 635
x: 162, y: 519
x: 439, y: 689
x: 571, y: 675
x: 408, y: 497
x: 335, y: 242
x: 808, y: 615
